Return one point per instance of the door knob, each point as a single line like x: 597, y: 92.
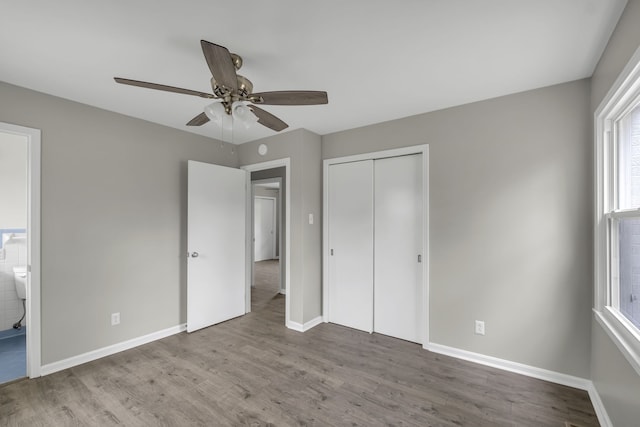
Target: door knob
x: 194, y: 254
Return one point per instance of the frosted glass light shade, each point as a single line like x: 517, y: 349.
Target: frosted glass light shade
x: 215, y: 112
x: 243, y: 114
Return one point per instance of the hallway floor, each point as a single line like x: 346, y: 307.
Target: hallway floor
x: 266, y: 282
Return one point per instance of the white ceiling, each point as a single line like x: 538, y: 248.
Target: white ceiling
x: 378, y: 60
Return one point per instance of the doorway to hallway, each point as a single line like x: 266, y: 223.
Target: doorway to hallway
x: 267, y: 226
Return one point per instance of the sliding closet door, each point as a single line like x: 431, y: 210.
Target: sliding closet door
x: 398, y: 247
x: 351, y: 244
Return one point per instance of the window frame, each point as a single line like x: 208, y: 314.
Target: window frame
x: 623, y: 96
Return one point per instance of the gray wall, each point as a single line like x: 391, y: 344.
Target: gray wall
x: 510, y: 201
x: 113, y: 220
x: 616, y: 381
x: 13, y: 181
x: 304, y: 150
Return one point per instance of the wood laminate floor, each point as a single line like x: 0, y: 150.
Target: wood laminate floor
x: 253, y: 371
x: 266, y: 283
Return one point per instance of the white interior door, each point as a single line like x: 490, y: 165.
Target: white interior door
x: 351, y: 244
x: 264, y: 225
x: 216, y: 243
x: 398, y: 246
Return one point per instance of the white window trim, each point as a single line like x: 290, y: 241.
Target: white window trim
x: 623, y: 92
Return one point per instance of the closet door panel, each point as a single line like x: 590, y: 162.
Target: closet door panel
x: 398, y: 243
x: 351, y: 244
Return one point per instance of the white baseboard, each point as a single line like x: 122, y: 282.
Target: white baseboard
x: 312, y: 323
x: 530, y: 371
x: 507, y: 365
x: 283, y: 291
x: 598, y: 406
x: 107, y: 351
x: 295, y: 326
x: 303, y: 328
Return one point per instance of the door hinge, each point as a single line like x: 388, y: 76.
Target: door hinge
x: 419, y: 258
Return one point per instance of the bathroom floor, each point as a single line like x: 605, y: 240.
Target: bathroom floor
x: 13, y: 355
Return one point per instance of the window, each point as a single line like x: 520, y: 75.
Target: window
x: 625, y: 291
x: 624, y: 219
x: 617, y: 224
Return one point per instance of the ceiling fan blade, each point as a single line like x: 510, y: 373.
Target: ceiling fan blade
x: 267, y: 119
x: 290, y: 97
x: 198, y: 120
x: 163, y: 87
x: 220, y: 64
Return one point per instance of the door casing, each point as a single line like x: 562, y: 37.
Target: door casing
x: 286, y: 163
x: 33, y: 245
x: 279, y: 205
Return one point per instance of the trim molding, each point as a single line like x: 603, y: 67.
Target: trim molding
x: 507, y: 365
x: 530, y: 371
x: 109, y: 350
x: 286, y: 162
x: 304, y: 328
x: 519, y: 368
x: 33, y: 190
x: 598, y: 406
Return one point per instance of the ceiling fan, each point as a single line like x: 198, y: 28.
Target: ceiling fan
x: 234, y: 93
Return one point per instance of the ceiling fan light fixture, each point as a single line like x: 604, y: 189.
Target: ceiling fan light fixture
x: 215, y: 112
x: 242, y: 113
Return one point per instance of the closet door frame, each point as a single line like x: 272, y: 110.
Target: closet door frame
x: 415, y: 149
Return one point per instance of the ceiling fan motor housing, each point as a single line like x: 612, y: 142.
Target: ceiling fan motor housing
x: 245, y: 88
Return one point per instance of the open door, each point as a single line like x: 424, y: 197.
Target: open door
x: 264, y: 226
x: 216, y: 227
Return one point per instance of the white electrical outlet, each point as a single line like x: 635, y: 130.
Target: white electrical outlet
x: 115, y: 319
x: 479, y: 327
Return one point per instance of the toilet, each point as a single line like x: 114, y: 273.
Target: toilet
x: 20, y: 279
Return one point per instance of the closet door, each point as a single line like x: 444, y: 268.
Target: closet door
x: 351, y: 244
x: 398, y: 246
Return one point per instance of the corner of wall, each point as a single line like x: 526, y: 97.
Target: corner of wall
x: 312, y: 225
